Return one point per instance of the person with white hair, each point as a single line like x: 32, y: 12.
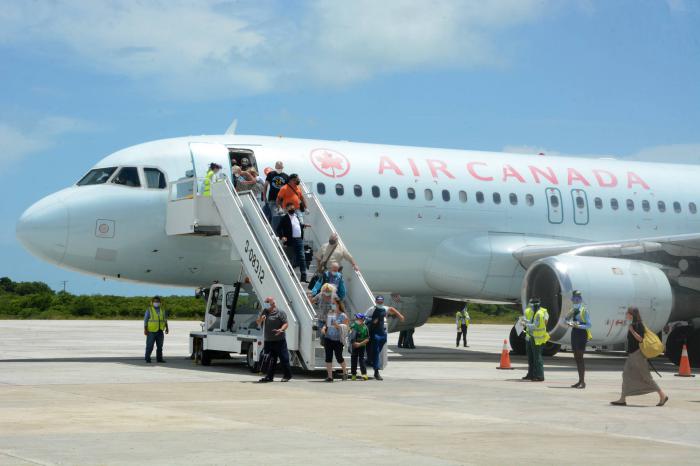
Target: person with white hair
x: 333, y: 251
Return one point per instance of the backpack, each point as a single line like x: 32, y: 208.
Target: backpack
x: 650, y: 345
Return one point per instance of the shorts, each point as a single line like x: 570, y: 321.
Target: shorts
x: 333, y: 346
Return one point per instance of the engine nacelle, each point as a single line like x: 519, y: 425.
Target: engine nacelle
x: 609, y: 287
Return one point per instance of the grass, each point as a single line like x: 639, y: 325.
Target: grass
x: 477, y: 318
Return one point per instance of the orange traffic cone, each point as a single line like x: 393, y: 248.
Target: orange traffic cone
x: 505, y: 357
x: 684, y: 369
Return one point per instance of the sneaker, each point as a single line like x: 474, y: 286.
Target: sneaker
x: 286, y: 379
x: 161, y: 361
x: 353, y: 378
x: 377, y: 376
x: 148, y: 361
x: 264, y: 380
x: 329, y: 379
x: 364, y: 377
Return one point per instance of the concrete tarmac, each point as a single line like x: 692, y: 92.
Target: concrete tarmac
x: 78, y: 392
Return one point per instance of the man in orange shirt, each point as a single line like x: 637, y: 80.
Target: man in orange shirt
x: 291, y: 193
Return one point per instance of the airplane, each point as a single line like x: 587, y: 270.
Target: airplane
x: 434, y: 226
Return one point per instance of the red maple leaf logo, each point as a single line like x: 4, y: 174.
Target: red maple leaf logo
x: 329, y: 162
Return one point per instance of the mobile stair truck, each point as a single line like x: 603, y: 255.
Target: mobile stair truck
x: 229, y: 325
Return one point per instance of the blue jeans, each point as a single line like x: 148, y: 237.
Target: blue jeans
x: 377, y: 342
x: 297, y: 245
x: 156, y: 338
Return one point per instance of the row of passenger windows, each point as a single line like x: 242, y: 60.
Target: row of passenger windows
x: 646, y: 205
x: 427, y: 194
x: 126, y: 176
x: 512, y: 198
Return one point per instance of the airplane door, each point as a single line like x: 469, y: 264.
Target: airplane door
x: 555, y: 209
x: 580, y: 205
x: 204, y: 153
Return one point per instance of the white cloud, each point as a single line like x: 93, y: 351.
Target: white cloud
x: 671, y: 153
x: 212, y: 48
x: 19, y: 142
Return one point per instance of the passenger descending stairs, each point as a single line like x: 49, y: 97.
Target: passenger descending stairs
x: 270, y: 271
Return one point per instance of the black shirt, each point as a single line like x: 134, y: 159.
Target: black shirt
x: 276, y: 181
x: 632, y: 343
x: 274, y: 321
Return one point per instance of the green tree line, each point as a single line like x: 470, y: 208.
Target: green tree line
x: 36, y: 300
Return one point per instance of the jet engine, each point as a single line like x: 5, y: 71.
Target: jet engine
x: 609, y: 287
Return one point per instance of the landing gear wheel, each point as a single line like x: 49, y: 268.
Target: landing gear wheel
x: 517, y: 342
x: 550, y: 349
x: 250, y: 361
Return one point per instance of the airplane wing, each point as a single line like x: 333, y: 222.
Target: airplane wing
x: 679, y: 255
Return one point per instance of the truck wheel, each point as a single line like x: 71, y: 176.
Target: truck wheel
x: 517, y: 342
x: 197, y: 350
x: 250, y: 361
x: 206, y: 358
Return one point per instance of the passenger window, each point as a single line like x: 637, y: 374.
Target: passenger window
x: 358, y: 190
x: 579, y: 202
x: 645, y: 206
x: 428, y: 194
x: 513, y: 198
x: 677, y: 207
x: 375, y: 191
x: 393, y: 192
x: 445, y: 195
x: 320, y: 188
x: 496, y: 198
x: 662, y: 206
x: 554, y: 201
x: 530, y: 199
x: 339, y: 189
x: 97, y: 176
x: 155, y: 179
x: 598, y: 203
x: 127, y: 176
x: 614, y: 204
x: 692, y: 208
x: 630, y: 204
x: 411, y: 193
x: 479, y: 197
x: 463, y: 196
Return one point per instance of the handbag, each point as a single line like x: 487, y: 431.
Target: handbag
x: 319, y: 273
x: 651, y: 345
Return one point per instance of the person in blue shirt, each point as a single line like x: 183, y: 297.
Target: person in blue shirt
x: 376, y: 316
x: 579, y: 319
x: 335, y: 278
x: 335, y: 330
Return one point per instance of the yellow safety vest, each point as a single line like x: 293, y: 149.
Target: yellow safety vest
x: 584, y: 318
x: 539, y: 333
x: 156, y: 320
x: 207, y: 183
x: 462, y: 317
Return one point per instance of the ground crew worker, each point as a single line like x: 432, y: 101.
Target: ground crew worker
x: 579, y: 321
x: 462, y: 320
x: 210, y: 177
x: 155, y: 322
x: 535, y: 322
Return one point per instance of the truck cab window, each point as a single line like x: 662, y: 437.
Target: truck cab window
x: 97, y: 176
x: 155, y: 179
x: 127, y: 176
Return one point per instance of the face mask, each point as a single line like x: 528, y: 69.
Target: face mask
x: 266, y: 305
x: 577, y: 305
x: 291, y: 211
x: 334, y: 307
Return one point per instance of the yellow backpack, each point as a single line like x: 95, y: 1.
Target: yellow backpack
x: 651, y: 346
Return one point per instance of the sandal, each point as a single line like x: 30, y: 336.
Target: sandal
x: 663, y: 402
x: 618, y: 403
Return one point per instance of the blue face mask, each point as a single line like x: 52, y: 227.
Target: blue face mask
x: 156, y: 305
x: 577, y: 305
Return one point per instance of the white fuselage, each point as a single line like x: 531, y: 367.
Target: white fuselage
x: 427, y: 246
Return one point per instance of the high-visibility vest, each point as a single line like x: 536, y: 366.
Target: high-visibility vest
x: 584, y: 318
x: 207, y: 183
x: 462, y: 317
x: 539, y: 333
x: 156, y: 320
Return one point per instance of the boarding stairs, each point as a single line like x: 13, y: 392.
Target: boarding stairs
x: 263, y: 259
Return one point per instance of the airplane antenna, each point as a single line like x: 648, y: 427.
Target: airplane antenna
x: 232, y: 127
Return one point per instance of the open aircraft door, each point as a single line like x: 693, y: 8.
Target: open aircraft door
x: 203, y: 154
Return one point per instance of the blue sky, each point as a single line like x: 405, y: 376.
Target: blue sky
x: 79, y: 80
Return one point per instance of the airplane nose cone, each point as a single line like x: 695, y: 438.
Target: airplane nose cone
x: 43, y: 229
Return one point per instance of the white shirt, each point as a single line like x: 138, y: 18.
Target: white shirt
x: 296, y: 226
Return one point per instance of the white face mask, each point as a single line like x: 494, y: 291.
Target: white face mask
x: 266, y: 305
x: 577, y: 305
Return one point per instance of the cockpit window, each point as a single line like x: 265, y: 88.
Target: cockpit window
x: 128, y: 176
x: 97, y: 176
x: 155, y: 179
